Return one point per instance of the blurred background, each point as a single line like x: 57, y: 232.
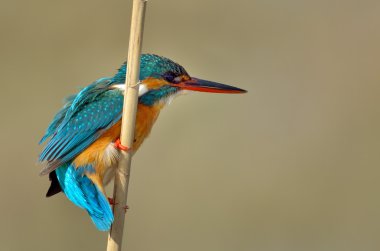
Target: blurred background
x: 293, y: 165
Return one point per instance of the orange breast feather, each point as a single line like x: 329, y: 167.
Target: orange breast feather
x: 95, y: 153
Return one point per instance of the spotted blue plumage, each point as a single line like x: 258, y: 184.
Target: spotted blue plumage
x: 95, y: 109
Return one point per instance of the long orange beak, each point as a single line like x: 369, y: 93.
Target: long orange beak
x: 200, y: 85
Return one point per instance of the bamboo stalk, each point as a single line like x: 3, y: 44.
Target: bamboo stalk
x: 122, y: 175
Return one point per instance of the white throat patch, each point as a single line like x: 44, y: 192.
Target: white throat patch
x: 142, y: 88
x: 169, y: 99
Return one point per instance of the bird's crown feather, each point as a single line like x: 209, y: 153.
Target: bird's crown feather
x: 154, y: 66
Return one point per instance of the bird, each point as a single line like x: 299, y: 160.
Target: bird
x: 82, y: 142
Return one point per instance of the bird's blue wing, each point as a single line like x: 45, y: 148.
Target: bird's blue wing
x: 57, y: 120
x: 95, y: 109
x: 72, y: 103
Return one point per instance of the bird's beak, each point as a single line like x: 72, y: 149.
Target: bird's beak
x: 200, y: 85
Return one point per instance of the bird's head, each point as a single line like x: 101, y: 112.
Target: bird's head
x: 162, y: 79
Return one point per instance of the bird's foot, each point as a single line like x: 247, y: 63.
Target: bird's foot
x: 112, y: 201
x: 119, y: 146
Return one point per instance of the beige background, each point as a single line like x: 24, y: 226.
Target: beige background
x: 291, y: 166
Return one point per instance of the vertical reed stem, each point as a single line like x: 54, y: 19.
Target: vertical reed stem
x: 122, y: 175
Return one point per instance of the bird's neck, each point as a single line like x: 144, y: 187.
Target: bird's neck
x: 159, y: 92
x: 146, y: 117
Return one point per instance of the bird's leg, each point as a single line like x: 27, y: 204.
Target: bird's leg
x: 119, y: 146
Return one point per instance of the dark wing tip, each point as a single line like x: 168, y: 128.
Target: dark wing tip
x: 54, y: 185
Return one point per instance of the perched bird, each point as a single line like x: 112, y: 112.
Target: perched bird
x: 83, y: 139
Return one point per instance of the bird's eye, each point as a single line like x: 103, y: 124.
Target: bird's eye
x: 177, y: 79
x: 169, y: 76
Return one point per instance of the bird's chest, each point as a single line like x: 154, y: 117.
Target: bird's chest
x: 103, y: 154
x: 145, y: 118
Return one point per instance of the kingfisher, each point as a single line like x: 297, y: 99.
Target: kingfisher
x: 83, y: 140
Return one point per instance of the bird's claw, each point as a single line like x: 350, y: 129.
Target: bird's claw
x: 119, y: 146
x: 112, y: 201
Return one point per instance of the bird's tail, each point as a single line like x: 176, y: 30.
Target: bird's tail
x: 85, y: 194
